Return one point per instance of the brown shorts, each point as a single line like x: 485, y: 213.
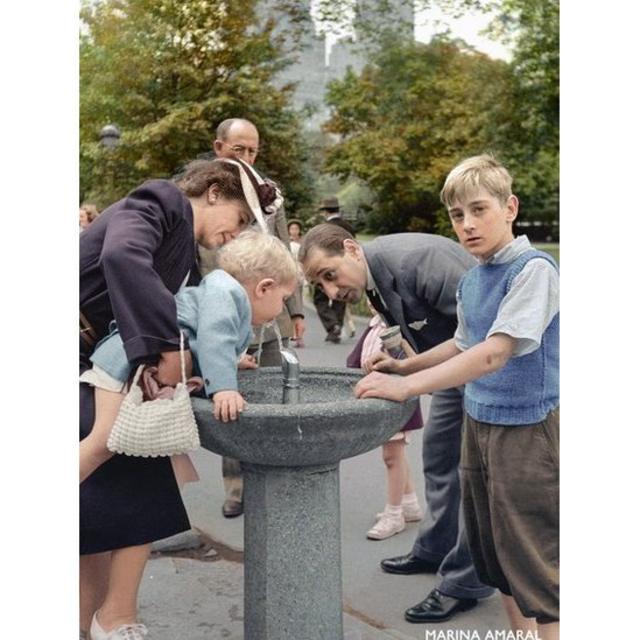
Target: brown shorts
x: 510, y: 493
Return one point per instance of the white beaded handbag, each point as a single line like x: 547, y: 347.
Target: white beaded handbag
x: 160, y: 427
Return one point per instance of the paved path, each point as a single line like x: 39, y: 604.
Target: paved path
x: 197, y: 593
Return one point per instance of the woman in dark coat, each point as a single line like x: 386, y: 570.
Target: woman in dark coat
x: 133, y: 260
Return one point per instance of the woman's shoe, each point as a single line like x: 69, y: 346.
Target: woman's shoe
x: 134, y: 631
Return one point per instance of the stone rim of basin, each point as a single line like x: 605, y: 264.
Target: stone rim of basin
x: 305, y: 434
x: 338, y: 406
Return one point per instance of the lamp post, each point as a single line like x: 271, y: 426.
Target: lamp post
x: 109, y: 136
x: 109, y: 140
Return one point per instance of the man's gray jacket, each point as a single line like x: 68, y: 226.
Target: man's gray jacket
x: 417, y: 275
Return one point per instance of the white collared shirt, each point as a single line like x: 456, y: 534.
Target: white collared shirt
x: 529, y: 306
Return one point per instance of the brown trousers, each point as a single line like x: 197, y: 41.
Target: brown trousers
x: 510, y: 493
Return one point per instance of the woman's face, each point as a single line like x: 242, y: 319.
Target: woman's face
x: 222, y: 221
x: 294, y: 231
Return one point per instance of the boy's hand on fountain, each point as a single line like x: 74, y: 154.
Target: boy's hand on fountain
x: 381, y: 385
x: 381, y: 361
x: 228, y: 405
x: 247, y: 362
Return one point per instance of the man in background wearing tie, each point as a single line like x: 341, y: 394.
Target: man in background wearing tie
x: 411, y: 279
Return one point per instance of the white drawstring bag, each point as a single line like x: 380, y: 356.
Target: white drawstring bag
x: 160, y: 427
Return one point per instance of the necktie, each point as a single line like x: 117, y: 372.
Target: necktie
x: 376, y: 301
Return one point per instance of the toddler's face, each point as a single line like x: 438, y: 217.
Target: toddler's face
x: 482, y: 223
x: 267, y: 300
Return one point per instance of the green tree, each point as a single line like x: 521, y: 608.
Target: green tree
x: 531, y: 139
x: 519, y: 123
x: 407, y: 119
x: 167, y: 72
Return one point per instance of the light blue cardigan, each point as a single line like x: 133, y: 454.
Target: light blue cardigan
x: 216, y: 317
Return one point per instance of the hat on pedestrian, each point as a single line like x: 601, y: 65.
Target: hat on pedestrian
x: 329, y: 204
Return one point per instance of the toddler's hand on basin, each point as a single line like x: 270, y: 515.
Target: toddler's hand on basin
x: 228, y: 405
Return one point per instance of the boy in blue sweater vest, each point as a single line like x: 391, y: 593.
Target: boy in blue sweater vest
x: 505, y: 351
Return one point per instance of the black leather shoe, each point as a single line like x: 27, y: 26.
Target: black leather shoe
x: 437, y: 607
x: 232, y: 508
x: 406, y: 565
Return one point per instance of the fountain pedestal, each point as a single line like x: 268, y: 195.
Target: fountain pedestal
x: 292, y: 553
x: 290, y: 456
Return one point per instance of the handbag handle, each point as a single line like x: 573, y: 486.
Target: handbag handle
x: 182, y: 365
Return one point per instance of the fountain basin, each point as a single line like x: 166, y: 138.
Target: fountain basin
x: 290, y: 455
x: 328, y: 425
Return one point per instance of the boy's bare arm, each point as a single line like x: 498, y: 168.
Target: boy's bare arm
x: 478, y: 361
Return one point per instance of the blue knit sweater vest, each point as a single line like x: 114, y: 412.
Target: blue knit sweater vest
x: 527, y: 387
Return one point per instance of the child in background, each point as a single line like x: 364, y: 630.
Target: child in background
x: 402, y: 503
x: 295, y: 236
x: 257, y: 274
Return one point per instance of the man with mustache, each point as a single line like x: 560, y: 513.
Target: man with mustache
x: 411, y: 280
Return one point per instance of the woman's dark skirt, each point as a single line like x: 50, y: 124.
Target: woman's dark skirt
x: 127, y: 501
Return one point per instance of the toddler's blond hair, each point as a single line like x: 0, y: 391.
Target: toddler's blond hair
x: 254, y: 255
x: 477, y: 172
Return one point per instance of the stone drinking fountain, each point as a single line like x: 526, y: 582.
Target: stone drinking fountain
x: 297, y: 427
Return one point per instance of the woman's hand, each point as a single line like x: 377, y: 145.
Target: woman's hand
x: 247, y: 362
x: 169, y: 369
x: 228, y: 405
x: 381, y: 361
x: 381, y: 385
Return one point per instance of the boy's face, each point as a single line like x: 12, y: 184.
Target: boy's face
x: 342, y: 277
x: 482, y: 223
x: 267, y: 299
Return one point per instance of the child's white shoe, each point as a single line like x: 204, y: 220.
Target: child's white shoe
x: 123, y: 632
x: 412, y: 512
x: 388, y: 525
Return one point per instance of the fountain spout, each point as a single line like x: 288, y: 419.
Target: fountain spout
x: 291, y: 376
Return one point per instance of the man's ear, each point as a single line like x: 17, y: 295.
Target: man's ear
x: 512, y: 208
x: 264, y: 285
x: 217, y: 147
x: 351, y: 247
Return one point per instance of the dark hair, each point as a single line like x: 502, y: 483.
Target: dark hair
x: 199, y: 175
x: 326, y: 236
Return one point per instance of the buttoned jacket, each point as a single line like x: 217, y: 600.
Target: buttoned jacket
x: 417, y: 275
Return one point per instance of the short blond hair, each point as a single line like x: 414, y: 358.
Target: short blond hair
x: 254, y: 255
x: 91, y: 210
x: 474, y: 173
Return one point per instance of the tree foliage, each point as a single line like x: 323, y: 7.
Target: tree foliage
x: 407, y: 119
x: 167, y: 72
x: 417, y: 110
